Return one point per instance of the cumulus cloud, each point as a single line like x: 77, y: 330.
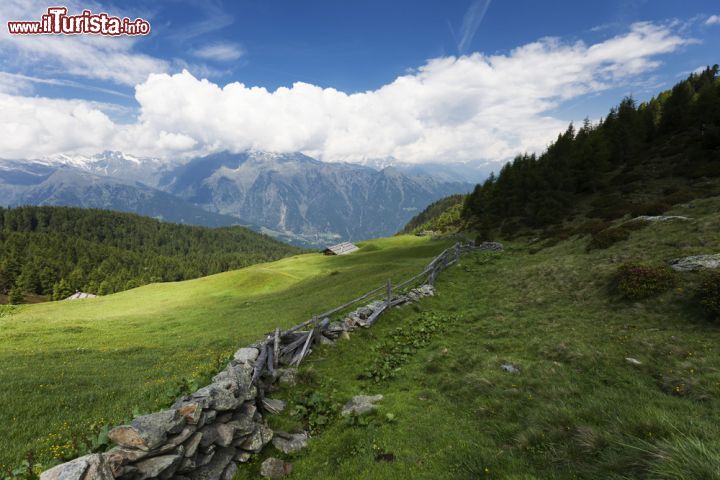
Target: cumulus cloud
x: 713, y: 20
x: 469, y: 108
x: 89, y: 56
x: 220, y: 52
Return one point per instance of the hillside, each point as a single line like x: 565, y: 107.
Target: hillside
x: 70, y: 367
x: 603, y: 386
x: 440, y: 216
x: 54, y: 251
x: 640, y: 159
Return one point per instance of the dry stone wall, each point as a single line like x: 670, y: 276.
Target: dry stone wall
x: 209, y: 433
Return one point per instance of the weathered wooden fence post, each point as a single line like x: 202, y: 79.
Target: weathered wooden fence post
x: 276, y: 347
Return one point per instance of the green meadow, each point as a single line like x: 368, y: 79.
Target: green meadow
x: 575, y: 409
x: 68, y: 368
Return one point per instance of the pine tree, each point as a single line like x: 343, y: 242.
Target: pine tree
x: 16, y: 297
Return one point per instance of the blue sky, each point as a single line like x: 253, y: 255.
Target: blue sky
x: 348, y: 47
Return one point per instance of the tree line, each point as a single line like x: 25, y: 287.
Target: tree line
x: 55, y: 251
x: 675, y: 135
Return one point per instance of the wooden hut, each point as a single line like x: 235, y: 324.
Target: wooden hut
x: 341, y: 249
x: 79, y: 295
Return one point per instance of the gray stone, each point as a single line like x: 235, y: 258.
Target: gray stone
x: 72, y: 470
x: 633, y: 361
x: 490, y: 246
x: 205, y: 458
x: 191, y: 412
x: 148, y: 431
x: 219, y: 398
x: 246, y: 355
x: 242, y: 426
x: 287, y: 376
x: 290, y: 442
x: 187, y: 465
x: 210, y: 416
x: 242, y: 457
x: 214, y: 469
x: 192, y: 444
x: 98, y: 468
x: 258, y: 439
x: 225, y: 434
x: 118, y: 457
x: 696, y: 262
x: 275, y: 468
x: 155, y: 466
x: 660, y: 218
x: 273, y: 405
x: 361, y: 405
x: 176, y: 440
x: 229, y: 472
x: 509, y: 368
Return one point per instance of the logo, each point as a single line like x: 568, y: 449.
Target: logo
x: 56, y: 21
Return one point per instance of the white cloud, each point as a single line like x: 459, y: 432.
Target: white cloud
x: 469, y: 108
x: 89, y: 56
x: 220, y: 52
x: 713, y: 20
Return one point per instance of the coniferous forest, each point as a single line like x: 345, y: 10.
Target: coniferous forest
x: 54, y: 251
x: 639, y: 160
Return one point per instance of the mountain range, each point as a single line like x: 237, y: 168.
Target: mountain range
x: 290, y: 196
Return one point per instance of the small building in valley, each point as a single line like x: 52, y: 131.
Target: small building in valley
x: 79, y: 295
x: 341, y: 249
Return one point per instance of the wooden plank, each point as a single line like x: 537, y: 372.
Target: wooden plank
x: 305, y: 347
x: 276, y: 347
x: 260, y: 363
x: 293, y: 345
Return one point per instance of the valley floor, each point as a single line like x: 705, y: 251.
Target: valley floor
x: 576, y: 408
x: 70, y: 368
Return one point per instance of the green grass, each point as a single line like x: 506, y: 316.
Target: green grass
x: 576, y: 409
x: 67, y: 368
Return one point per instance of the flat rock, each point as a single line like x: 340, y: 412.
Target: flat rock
x: 361, y: 405
x: 660, y: 218
x: 155, y: 466
x: 217, y: 397
x: 633, y: 361
x: 216, y: 467
x: 490, y: 246
x: 696, y: 262
x: 148, y: 431
x: 73, y: 470
x: 191, y: 412
x: 275, y: 468
x: 273, y: 405
x: 118, y: 457
x: 258, y: 439
x: 290, y: 442
x: 246, y: 355
x: 192, y: 444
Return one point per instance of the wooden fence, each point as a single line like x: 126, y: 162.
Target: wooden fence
x: 291, y: 346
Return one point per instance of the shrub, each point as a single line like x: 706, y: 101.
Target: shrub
x: 642, y: 281
x: 607, y: 238
x: 592, y: 227
x: 652, y: 208
x: 709, y: 294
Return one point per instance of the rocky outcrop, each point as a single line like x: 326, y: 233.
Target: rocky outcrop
x: 695, y: 263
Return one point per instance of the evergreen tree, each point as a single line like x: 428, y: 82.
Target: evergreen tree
x: 15, y: 296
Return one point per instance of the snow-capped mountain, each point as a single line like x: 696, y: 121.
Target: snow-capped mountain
x: 115, y: 164
x: 449, y: 172
x: 289, y: 195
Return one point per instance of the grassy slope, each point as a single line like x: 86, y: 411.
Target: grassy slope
x: 67, y: 366
x: 577, y: 409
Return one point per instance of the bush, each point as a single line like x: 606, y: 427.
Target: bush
x: 709, y: 294
x: 652, y: 208
x: 607, y: 238
x: 642, y: 281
